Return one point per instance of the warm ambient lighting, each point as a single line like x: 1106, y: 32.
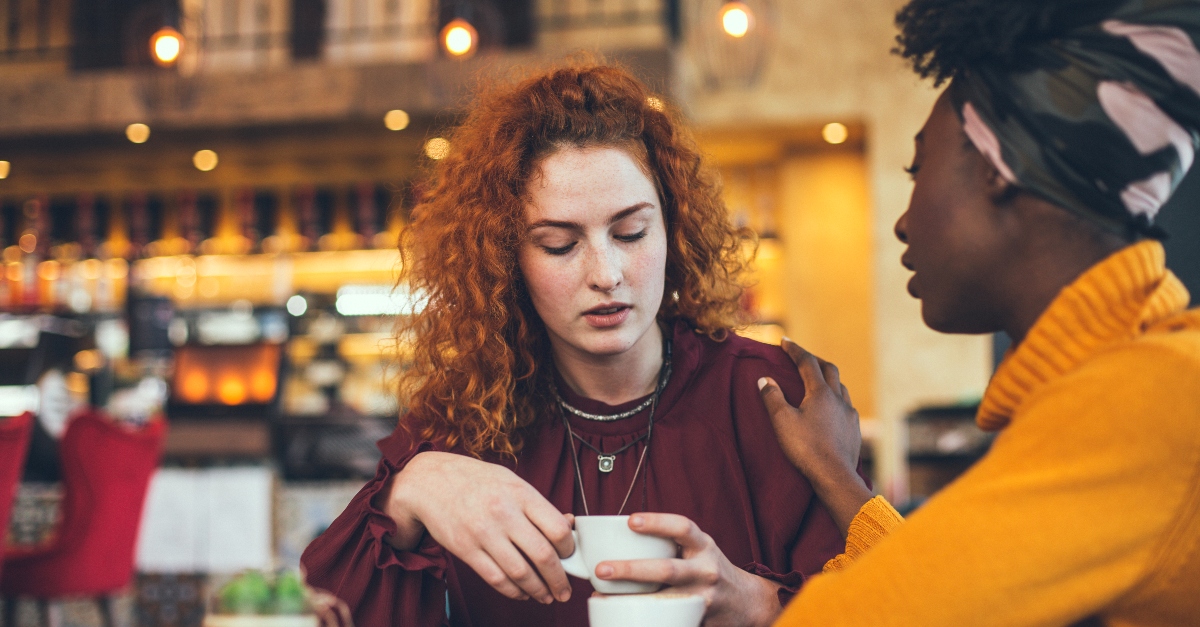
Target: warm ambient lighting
x: 377, y: 300
x: 459, y: 37
x: 90, y: 269
x: 262, y: 386
x: 437, y: 148
x: 4, y: 168
x: 204, y: 160
x: 231, y: 391
x: 165, y: 46
x: 116, y: 268
x: 89, y: 360
x: 655, y: 103
x: 194, y: 387
x: 736, y: 19
x: 137, y: 132
x: 296, y: 305
x: 835, y: 133
x: 28, y: 242
x: 49, y: 270
x: 396, y: 120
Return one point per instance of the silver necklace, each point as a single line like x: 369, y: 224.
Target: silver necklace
x: 606, y: 460
x: 602, y: 417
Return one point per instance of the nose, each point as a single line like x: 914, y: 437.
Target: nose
x: 901, y: 228
x: 604, y: 268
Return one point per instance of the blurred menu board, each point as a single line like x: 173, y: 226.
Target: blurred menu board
x: 215, y: 520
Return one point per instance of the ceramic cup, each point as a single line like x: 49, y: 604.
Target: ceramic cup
x: 646, y: 610
x: 603, y: 538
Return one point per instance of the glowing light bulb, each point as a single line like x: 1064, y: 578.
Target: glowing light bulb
x: 297, y: 305
x: 396, y: 120
x: 49, y: 270
x: 194, y: 388
x: 437, y: 148
x: 231, y: 390
x: 835, y: 133
x: 459, y: 37
x: 736, y: 19
x: 4, y: 168
x: 204, y: 160
x: 137, y: 133
x: 262, y: 386
x: 165, y: 46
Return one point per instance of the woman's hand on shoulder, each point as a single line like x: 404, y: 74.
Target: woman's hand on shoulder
x: 733, y: 596
x: 821, y: 437
x: 489, y: 518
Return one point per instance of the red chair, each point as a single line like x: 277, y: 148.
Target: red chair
x: 14, y: 444
x: 106, y: 470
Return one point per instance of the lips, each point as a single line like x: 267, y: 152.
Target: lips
x: 912, y: 282
x: 607, y: 315
x: 605, y: 310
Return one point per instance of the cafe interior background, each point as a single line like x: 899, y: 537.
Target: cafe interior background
x: 199, y: 207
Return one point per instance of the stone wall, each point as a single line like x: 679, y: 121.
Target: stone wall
x: 830, y: 61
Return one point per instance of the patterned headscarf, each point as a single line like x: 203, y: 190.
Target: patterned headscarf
x: 1106, y: 125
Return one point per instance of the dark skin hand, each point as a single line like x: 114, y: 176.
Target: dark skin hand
x: 986, y: 257
x: 821, y: 437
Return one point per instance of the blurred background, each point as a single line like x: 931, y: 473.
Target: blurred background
x: 199, y: 208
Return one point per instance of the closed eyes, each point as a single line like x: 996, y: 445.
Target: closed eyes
x: 562, y: 250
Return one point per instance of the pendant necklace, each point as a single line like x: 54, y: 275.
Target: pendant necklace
x: 606, y: 460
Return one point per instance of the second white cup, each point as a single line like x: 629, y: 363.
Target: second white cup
x: 604, y: 538
x: 646, y: 610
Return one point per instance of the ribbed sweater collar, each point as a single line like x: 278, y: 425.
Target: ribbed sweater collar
x: 1115, y: 300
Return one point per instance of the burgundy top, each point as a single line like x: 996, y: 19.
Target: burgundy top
x: 714, y: 458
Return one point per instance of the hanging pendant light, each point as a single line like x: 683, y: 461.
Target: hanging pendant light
x: 166, y: 45
x: 736, y: 19
x: 459, y: 38
x: 731, y: 41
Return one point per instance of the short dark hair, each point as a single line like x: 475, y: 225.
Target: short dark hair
x: 943, y: 39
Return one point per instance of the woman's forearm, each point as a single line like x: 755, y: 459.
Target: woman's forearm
x: 843, y: 492
x: 393, y: 500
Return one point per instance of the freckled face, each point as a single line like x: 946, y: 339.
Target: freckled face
x: 595, y: 253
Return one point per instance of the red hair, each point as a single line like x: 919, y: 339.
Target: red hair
x: 480, y: 359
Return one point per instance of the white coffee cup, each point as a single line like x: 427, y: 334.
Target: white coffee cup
x: 604, y: 538
x: 646, y: 610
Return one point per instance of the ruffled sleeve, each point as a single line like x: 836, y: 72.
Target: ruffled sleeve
x: 874, y: 521
x: 789, y: 584
x: 353, y: 560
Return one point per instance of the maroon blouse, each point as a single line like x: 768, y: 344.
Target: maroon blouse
x: 713, y: 458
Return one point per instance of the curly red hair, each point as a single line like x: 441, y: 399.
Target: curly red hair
x: 480, y: 362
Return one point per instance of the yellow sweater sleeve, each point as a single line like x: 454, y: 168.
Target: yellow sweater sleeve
x: 872, y: 523
x: 1071, y: 513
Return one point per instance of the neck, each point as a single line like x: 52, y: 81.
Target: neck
x: 612, y: 379
x: 1050, y: 265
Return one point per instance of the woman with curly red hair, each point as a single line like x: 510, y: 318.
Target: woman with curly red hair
x: 574, y: 355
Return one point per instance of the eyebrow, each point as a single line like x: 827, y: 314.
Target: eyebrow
x: 617, y: 217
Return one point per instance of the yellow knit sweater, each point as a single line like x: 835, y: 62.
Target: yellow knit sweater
x: 1087, y: 505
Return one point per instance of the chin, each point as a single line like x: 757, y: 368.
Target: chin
x: 953, y: 322
x: 614, y: 344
